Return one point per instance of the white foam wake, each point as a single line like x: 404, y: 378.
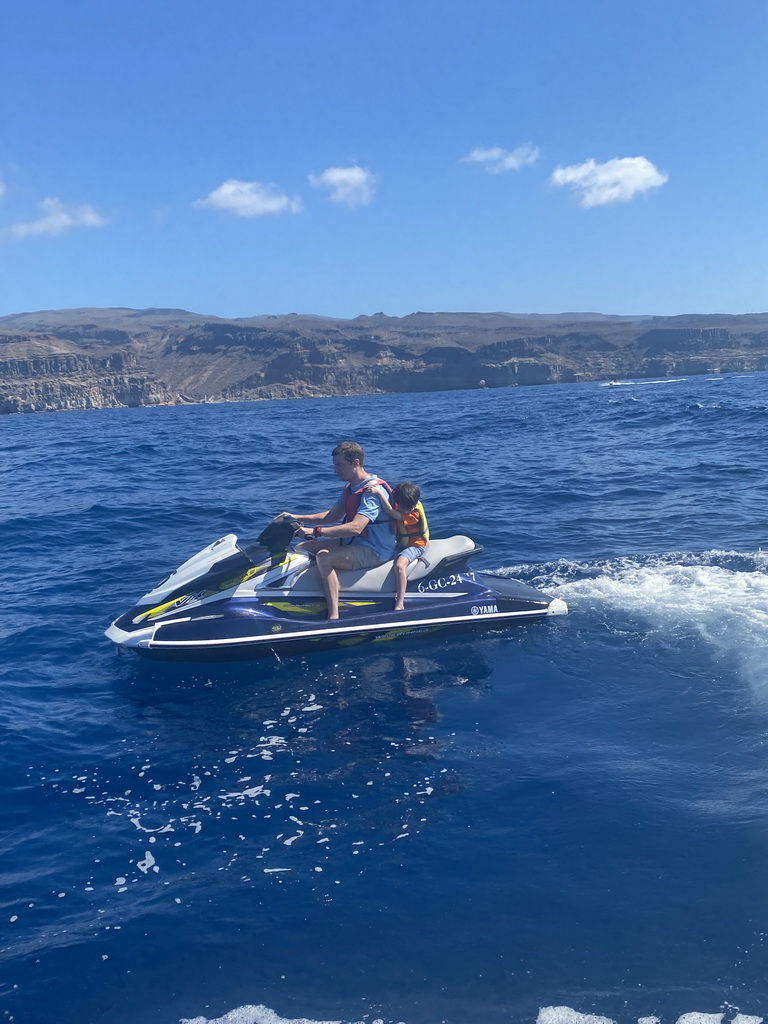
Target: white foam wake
x: 547, y: 1015
x: 718, y: 596
x: 565, y: 1015
x: 256, y: 1015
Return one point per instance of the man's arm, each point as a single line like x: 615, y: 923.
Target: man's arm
x: 351, y: 529
x: 366, y: 514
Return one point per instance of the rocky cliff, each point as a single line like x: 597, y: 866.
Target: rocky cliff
x: 73, y: 381
x: 97, y: 358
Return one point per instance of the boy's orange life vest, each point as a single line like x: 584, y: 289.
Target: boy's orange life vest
x: 354, y: 495
x: 412, y: 530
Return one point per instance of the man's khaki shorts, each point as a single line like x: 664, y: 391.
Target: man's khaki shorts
x: 362, y: 556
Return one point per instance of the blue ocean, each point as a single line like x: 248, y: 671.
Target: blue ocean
x: 560, y: 823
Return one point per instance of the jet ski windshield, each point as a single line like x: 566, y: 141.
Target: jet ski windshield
x: 277, y: 537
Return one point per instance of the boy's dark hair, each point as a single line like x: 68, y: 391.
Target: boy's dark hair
x: 406, y: 495
x: 350, y: 451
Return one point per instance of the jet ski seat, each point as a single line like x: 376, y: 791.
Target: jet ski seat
x: 381, y: 579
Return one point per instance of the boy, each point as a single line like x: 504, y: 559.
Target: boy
x: 412, y: 529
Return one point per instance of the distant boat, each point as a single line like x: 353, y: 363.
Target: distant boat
x: 637, y: 383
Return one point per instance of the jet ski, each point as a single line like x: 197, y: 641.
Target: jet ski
x: 232, y: 598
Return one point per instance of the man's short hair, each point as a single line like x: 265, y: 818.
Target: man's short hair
x: 406, y: 495
x: 349, y: 451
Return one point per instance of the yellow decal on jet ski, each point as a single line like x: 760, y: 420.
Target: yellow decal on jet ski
x: 179, y: 602
x: 392, y: 634
x: 300, y: 609
x: 237, y: 580
x: 311, y: 607
x: 162, y: 608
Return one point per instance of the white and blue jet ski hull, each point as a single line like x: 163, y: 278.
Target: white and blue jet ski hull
x: 232, y: 600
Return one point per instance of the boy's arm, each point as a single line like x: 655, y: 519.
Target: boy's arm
x: 381, y: 494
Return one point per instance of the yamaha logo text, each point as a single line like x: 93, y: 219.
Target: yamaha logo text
x: 483, y: 609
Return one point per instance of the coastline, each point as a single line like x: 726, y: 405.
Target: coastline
x: 97, y: 359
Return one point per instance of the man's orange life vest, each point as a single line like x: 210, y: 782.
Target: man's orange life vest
x: 412, y: 530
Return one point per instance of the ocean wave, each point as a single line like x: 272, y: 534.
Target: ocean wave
x: 718, y: 596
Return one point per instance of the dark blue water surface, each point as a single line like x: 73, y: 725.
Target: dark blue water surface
x: 472, y: 829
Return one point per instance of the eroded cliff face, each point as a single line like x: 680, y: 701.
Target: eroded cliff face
x: 87, y: 359
x: 66, y: 382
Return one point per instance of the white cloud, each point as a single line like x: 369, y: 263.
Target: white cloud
x: 56, y: 218
x: 2, y: 190
x: 250, y: 199
x: 615, y: 181
x: 498, y: 160
x: 354, y: 186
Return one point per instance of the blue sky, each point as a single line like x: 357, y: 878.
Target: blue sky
x: 357, y: 156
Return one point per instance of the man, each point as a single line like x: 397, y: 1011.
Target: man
x: 363, y: 540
